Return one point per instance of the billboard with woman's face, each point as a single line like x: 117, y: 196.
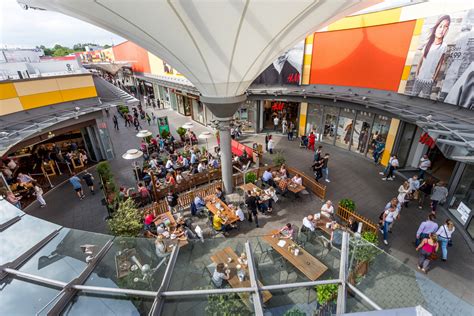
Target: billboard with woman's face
x: 442, y: 67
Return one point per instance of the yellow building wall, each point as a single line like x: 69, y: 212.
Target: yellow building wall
x: 30, y: 94
x: 369, y: 19
x: 392, y: 133
x: 302, y: 122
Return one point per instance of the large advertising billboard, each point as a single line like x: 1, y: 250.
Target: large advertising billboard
x: 443, y: 65
x: 285, y: 70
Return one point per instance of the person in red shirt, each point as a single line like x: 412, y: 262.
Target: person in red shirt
x: 149, y: 220
x: 144, y: 194
x: 311, y: 141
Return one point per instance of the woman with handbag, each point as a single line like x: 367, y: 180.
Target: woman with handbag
x: 444, y: 236
x: 429, y: 247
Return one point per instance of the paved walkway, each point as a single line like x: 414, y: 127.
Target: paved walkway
x: 352, y: 176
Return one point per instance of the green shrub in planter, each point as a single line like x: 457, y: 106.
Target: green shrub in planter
x: 326, y: 293
x: 348, y: 204
x: 127, y: 220
x: 279, y: 159
x: 104, y: 170
x: 250, y: 177
x: 165, y: 133
x: 181, y: 131
x: 366, y: 249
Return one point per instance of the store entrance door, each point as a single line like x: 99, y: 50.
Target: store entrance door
x: 441, y: 167
x: 282, y: 110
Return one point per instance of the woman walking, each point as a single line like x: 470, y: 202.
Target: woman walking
x: 428, y: 247
x: 402, y: 193
x: 444, y: 236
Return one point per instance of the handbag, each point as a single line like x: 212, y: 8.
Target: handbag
x: 433, y: 256
x: 416, y: 195
x: 450, y: 242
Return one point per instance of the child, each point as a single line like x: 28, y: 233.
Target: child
x: 39, y: 195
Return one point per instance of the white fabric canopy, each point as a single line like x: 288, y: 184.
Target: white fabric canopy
x: 220, y: 46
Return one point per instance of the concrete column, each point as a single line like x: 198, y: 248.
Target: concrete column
x: 223, y: 109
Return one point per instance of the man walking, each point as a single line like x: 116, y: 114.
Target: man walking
x: 325, y: 168
x: 426, y: 228
x: 89, y: 179
x: 276, y: 122
x: 439, y: 195
x: 425, y: 163
x: 290, y: 131
x: 116, y: 122
x: 76, y: 184
x: 251, y: 202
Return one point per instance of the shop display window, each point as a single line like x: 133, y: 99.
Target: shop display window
x: 361, y: 134
x: 379, y: 132
x: 314, y: 120
x: 462, y: 201
x: 330, y: 121
x: 345, y: 126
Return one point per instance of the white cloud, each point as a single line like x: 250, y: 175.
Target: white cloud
x: 29, y: 28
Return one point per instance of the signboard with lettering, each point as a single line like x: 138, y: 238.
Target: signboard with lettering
x: 464, y: 211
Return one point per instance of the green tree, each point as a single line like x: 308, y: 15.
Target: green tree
x: 63, y: 51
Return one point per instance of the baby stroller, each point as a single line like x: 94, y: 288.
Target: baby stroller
x: 304, y: 142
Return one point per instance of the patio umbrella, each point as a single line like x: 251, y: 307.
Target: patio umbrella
x: 206, y: 136
x: 143, y: 134
x: 133, y: 154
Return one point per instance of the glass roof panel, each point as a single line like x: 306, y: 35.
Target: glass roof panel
x: 62, y: 258
x: 130, y: 263
x: 24, y: 298
x: 8, y: 212
x: 108, y: 304
x: 23, y: 235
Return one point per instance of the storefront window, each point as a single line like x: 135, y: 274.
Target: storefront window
x: 280, y: 109
x: 462, y: 202
x: 406, y: 140
x: 314, y: 120
x: 360, y: 137
x: 330, y: 120
x: 379, y: 132
x: 344, y: 128
x: 246, y: 116
x: 198, y: 111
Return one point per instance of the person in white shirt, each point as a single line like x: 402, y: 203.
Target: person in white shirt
x: 308, y: 222
x: 425, y: 164
x: 271, y: 145
x: 393, y: 165
x: 284, y: 126
x: 414, y: 185
x: 153, y: 163
x: 327, y: 209
x: 39, y: 195
x: 220, y: 274
x: 276, y: 121
x: 201, y: 167
x: 444, y: 236
x: 388, y: 218
x: 297, y: 179
x: 169, y: 165
x: 402, y: 192
x: 240, y: 213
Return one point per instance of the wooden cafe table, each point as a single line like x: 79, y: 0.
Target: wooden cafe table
x: 226, y: 212
x: 311, y: 267
x: 160, y: 219
x: 221, y: 256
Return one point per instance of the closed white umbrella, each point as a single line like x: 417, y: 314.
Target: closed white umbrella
x: 133, y: 154
x: 206, y: 136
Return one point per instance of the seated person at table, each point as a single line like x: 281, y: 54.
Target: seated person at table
x: 179, y: 177
x: 336, y: 234
x: 214, y: 163
x: 199, y: 202
x: 149, y: 221
x: 243, y: 259
x: 353, y: 224
x: 264, y: 205
x: 297, y: 179
x: 238, y: 212
x: 163, y: 230
x: 309, y: 223
x: 327, y: 209
x: 286, y: 232
x: 220, y: 274
x: 153, y: 163
x: 220, y: 194
x: 267, y: 177
x: 194, y: 169
x: 170, y: 180
x: 169, y: 164
x: 185, y: 163
x: 180, y: 159
x: 179, y: 232
x: 201, y: 167
x: 194, y: 158
x: 24, y: 178
x: 160, y: 247
x: 218, y: 223
x: 283, y: 173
